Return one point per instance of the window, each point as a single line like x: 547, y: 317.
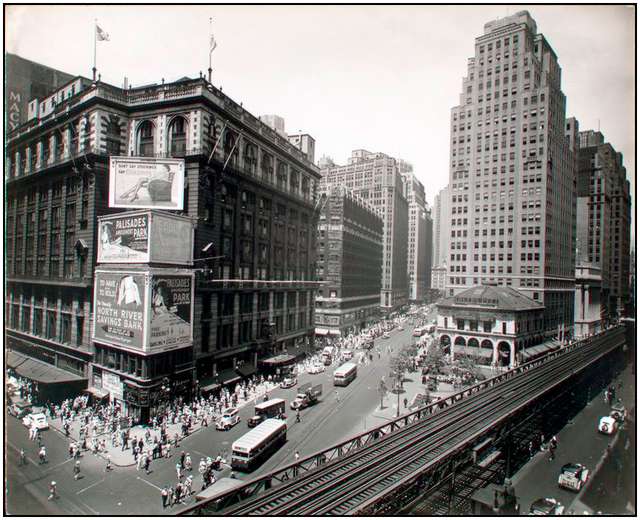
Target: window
x: 178, y: 137
x: 146, y: 144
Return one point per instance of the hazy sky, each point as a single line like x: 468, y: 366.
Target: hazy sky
x: 383, y: 78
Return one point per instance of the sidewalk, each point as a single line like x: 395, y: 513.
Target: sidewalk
x: 124, y: 458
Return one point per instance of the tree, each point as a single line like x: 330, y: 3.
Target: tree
x: 435, y: 359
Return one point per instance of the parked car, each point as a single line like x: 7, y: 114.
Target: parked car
x: 607, y: 425
x: 618, y: 412
x: 228, y: 419
x: 288, y: 382
x: 546, y: 507
x: 573, y: 476
x: 37, y: 419
x: 316, y: 369
x: 19, y: 408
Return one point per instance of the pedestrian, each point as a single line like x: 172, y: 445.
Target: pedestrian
x: 553, y: 444
x: 165, y: 496
x: 170, y: 496
x: 187, y: 485
x: 42, y: 454
x: 179, y: 471
x: 23, y: 457
x: 39, y: 438
x: 182, y: 457
x: 108, y: 467
x: 76, y: 470
x: 297, y: 416
x: 187, y: 462
x: 531, y: 450
x: 53, y: 490
x: 296, y: 455
x: 147, y: 463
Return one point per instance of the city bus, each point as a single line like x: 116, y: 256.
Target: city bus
x: 273, y: 408
x: 345, y: 374
x: 327, y: 355
x: 255, y: 446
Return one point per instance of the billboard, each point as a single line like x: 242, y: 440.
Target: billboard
x: 171, y: 312
x: 119, y: 306
x: 124, y: 239
x: 146, y: 311
x: 144, y: 237
x: 145, y: 182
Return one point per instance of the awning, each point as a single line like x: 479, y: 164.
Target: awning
x: 246, y: 370
x: 335, y: 332
x: 228, y: 376
x: 539, y: 349
x: 279, y: 360
x: 14, y: 359
x: 45, y: 373
x: 100, y: 393
x: 322, y: 332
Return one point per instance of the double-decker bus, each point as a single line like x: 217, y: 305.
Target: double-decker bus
x: 257, y: 445
x: 345, y: 374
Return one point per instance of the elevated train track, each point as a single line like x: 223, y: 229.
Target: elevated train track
x: 384, y: 466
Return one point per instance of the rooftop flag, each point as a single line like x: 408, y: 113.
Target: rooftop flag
x: 101, y: 36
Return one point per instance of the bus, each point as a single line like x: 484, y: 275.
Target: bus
x: 327, y: 355
x: 345, y: 374
x: 267, y: 410
x: 256, y: 446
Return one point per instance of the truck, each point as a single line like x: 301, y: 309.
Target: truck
x: 267, y: 410
x: 306, y: 396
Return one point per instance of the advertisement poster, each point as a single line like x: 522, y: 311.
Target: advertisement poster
x: 119, y: 308
x: 172, y: 240
x: 124, y: 239
x: 171, y: 312
x: 144, y: 182
x: 112, y: 384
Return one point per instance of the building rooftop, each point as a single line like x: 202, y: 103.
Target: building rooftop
x: 492, y: 296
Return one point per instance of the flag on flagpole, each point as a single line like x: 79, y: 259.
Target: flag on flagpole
x: 212, y: 44
x: 101, y: 36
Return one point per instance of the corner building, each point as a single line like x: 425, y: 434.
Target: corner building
x: 512, y: 172
x: 255, y: 216
x: 349, y: 262
x: 375, y: 178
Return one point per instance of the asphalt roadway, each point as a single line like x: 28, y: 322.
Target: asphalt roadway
x: 126, y: 491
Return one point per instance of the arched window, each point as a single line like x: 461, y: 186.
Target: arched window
x: 267, y: 167
x: 250, y: 157
x: 146, y: 139
x: 178, y: 137
x: 230, y: 148
x: 294, y: 181
x: 282, y: 175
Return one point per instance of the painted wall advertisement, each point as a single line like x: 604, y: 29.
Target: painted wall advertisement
x: 119, y: 308
x: 145, y: 182
x: 149, y: 311
x: 124, y: 239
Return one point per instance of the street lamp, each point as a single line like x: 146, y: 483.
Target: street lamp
x: 382, y: 390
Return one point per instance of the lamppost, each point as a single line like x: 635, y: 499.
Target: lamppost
x: 382, y: 390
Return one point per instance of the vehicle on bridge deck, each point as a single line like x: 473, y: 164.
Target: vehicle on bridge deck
x: 256, y: 446
x: 273, y: 408
x: 546, y: 507
x: 607, y: 425
x: 573, y: 476
x: 345, y: 374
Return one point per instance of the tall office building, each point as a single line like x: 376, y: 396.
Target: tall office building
x: 420, y: 228
x: 349, y: 262
x: 512, y: 172
x: 604, y: 218
x: 375, y: 178
x: 441, y: 226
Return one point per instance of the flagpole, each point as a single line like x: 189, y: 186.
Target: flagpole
x: 210, y: 50
x: 95, y: 38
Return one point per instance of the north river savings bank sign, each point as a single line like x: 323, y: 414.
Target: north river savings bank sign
x: 146, y: 311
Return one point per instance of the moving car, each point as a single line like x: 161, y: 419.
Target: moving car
x: 288, y: 382
x: 315, y: 369
x: 400, y: 327
x: 546, y: 507
x: 37, y: 419
x: 228, y: 419
x: 607, y: 425
x: 573, y: 476
x: 618, y: 412
x: 347, y: 355
x: 386, y: 335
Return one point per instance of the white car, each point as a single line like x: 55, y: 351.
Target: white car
x: 288, y: 382
x: 573, y: 476
x: 37, y: 419
x: 347, y: 355
x: 315, y: 369
x: 546, y: 507
x: 607, y: 425
x: 400, y: 327
x: 228, y: 419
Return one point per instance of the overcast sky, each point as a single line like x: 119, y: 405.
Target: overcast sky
x: 383, y: 78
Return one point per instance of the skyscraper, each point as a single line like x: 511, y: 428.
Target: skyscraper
x: 441, y: 226
x: 604, y: 217
x: 512, y: 172
x: 375, y: 178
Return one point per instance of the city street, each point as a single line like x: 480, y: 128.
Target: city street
x: 124, y: 490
